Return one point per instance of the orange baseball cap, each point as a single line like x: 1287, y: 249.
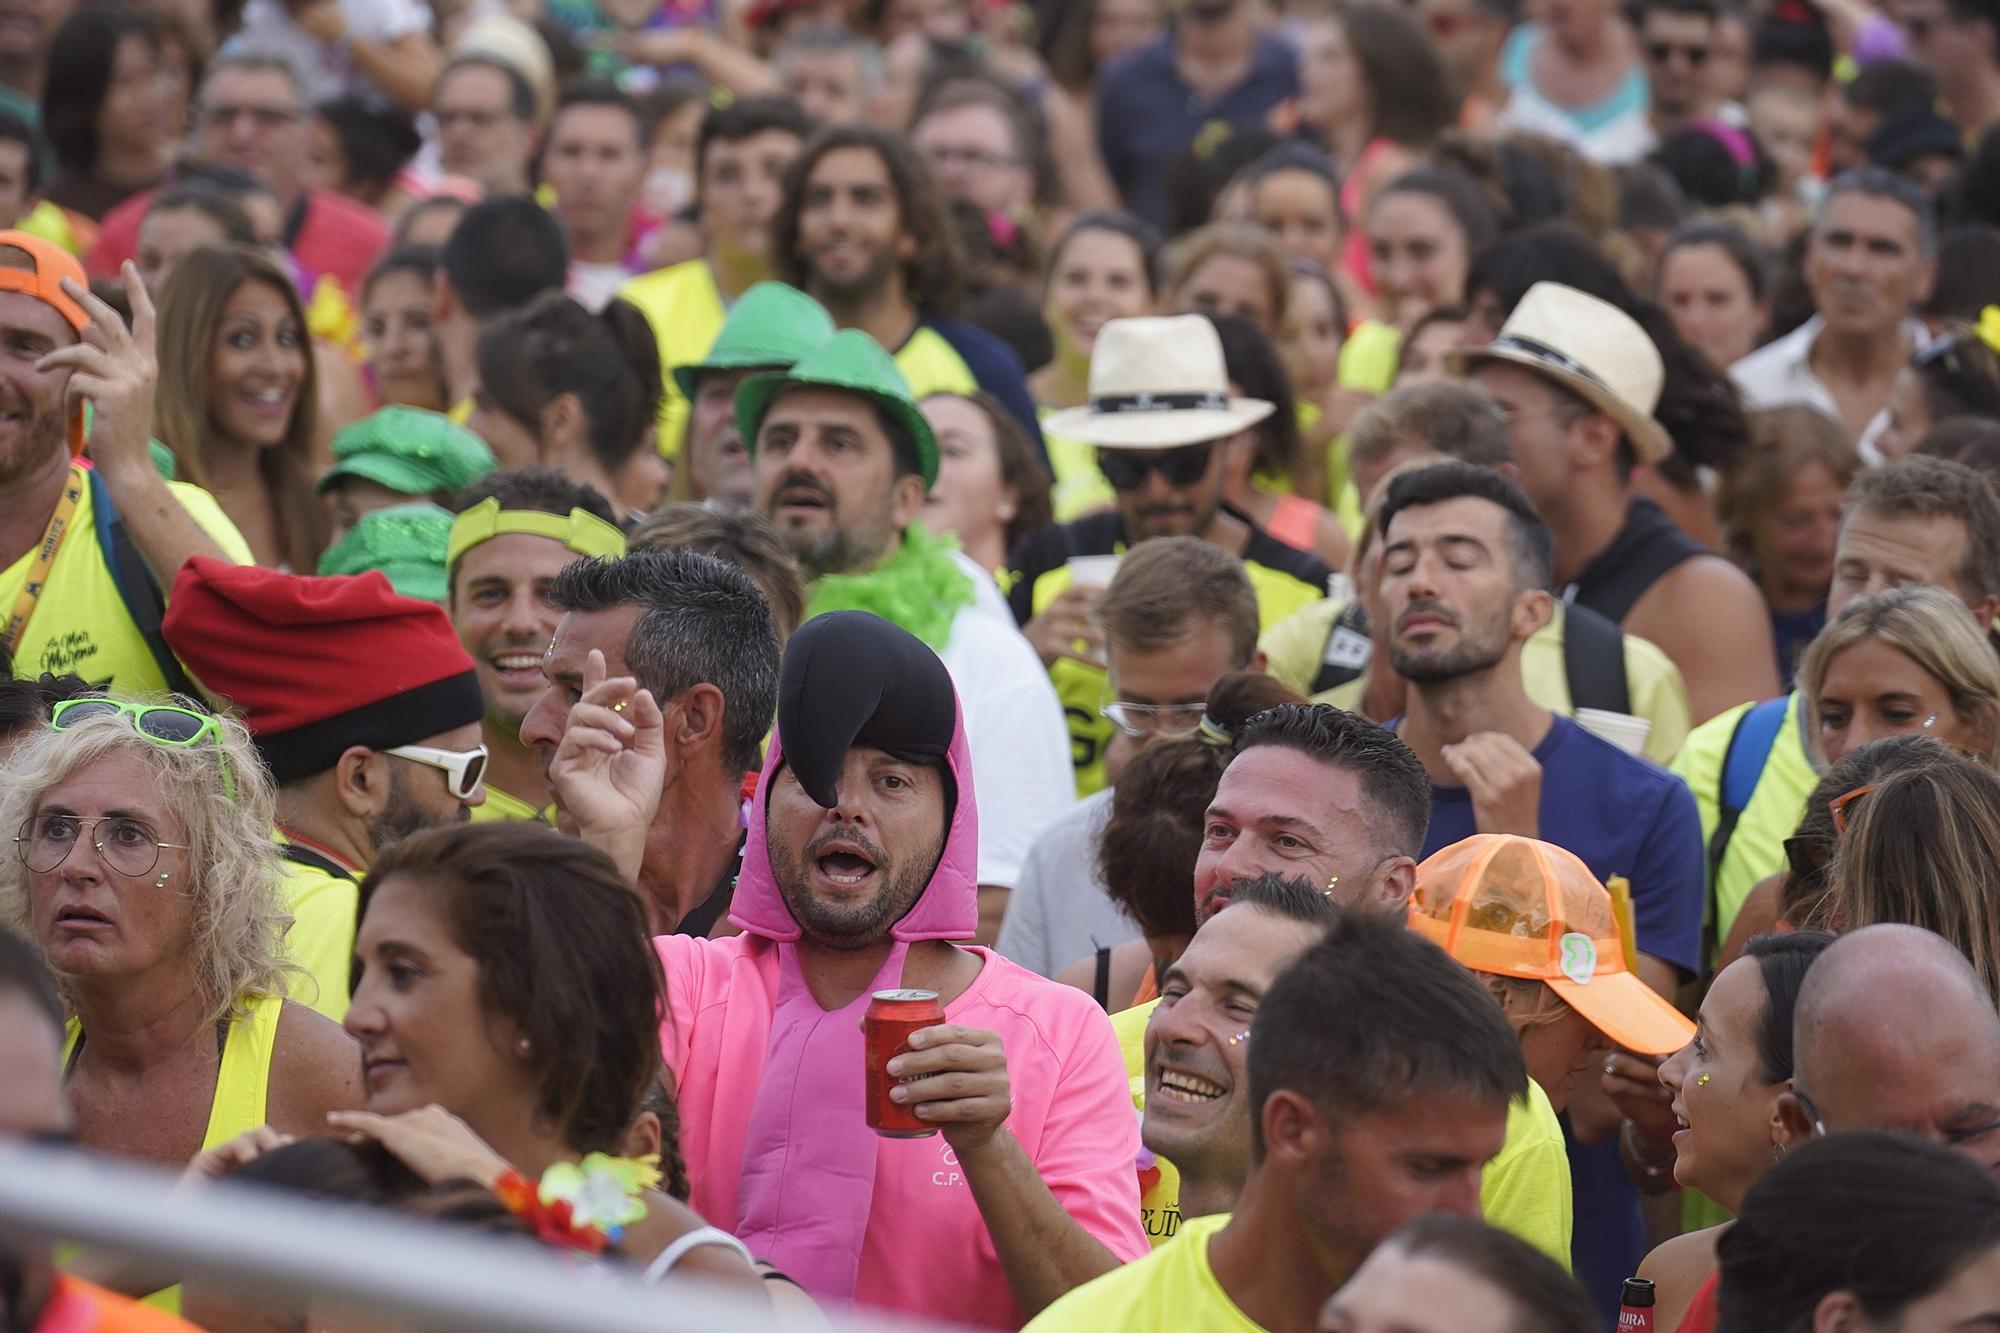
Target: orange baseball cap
x: 44, y: 283
x: 1518, y: 907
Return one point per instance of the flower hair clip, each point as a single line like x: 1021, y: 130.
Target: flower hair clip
x: 583, y: 1206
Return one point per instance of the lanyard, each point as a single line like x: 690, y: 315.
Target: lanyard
x: 45, y: 557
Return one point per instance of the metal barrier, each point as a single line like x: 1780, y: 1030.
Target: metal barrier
x: 399, y: 1268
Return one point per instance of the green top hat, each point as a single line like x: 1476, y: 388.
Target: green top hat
x: 405, y: 542
x: 770, y: 327
x: 848, y: 360
x: 409, y: 450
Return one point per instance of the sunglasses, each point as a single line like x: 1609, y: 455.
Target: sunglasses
x: 463, y: 769
x: 1807, y: 857
x: 162, y: 724
x: 1662, y: 52
x: 1839, y: 806
x: 1126, y: 469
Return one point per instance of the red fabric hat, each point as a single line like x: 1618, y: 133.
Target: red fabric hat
x: 315, y: 665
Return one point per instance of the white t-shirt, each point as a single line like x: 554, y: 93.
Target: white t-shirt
x: 1059, y: 912
x: 1021, y: 770
x: 593, y: 285
x: 1781, y: 372
x: 326, y: 69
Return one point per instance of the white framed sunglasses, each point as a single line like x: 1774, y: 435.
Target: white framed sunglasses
x: 464, y: 770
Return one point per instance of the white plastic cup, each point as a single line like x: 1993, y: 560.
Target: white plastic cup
x: 1623, y: 730
x: 1092, y: 571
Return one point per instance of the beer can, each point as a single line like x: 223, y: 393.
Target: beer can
x: 885, y: 1030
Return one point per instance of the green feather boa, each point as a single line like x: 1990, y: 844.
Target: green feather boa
x: 920, y: 587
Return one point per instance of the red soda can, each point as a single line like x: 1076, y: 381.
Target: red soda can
x: 885, y: 1030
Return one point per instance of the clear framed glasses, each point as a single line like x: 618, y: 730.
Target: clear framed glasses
x: 464, y: 770
x: 1165, y: 722
x: 129, y: 846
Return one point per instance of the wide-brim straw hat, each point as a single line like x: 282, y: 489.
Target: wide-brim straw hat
x: 1157, y: 383
x: 1590, y: 347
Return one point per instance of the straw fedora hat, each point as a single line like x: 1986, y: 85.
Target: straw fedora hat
x: 1590, y: 347
x: 1157, y: 383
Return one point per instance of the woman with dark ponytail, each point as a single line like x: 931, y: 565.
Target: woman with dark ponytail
x: 562, y: 388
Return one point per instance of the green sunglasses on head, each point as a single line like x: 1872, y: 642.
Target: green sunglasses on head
x: 162, y: 724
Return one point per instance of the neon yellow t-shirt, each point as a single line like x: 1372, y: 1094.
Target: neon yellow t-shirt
x: 1524, y: 1190
x: 1757, y: 846
x: 323, y: 908
x: 1173, y: 1287
x: 1295, y: 648
x: 80, y: 623
x: 500, y: 807
x: 1079, y: 484
x: 686, y: 310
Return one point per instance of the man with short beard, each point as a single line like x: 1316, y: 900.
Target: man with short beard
x: 366, y: 711
x: 842, y: 461
x: 858, y: 876
x: 863, y: 230
x: 1466, y: 566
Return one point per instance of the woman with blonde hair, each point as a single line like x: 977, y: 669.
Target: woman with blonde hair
x: 144, y: 873
x: 238, y: 399
x: 1908, y: 659
x: 1922, y: 848
x: 1229, y: 268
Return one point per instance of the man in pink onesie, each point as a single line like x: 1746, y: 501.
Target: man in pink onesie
x: 859, y: 872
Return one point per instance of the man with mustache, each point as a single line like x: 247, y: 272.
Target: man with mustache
x: 1466, y: 566
x: 859, y: 877
x: 1162, y: 418
x: 1870, y: 258
x: 843, y: 459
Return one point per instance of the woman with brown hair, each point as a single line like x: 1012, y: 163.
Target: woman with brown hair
x: 1229, y: 268
x: 991, y: 490
x: 238, y: 399
x: 1374, y: 89
x: 1780, y: 510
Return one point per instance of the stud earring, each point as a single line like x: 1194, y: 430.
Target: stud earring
x: 524, y: 1048
x: 1327, y: 892
x: 1005, y: 513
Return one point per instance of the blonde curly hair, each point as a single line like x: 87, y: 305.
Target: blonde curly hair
x: 239, y: 917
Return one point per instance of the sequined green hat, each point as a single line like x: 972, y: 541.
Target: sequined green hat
x: 405, y: 542
x: 409, y: 450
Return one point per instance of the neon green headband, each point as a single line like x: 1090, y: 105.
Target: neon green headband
x: 581, y: 531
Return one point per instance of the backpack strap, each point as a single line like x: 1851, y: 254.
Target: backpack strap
x: 136, y: 589
x: 1344, y: 657
x: 1750, y: 744
x: 1594, y: 661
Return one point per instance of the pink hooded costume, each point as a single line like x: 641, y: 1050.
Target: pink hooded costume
x: 769, y: 1085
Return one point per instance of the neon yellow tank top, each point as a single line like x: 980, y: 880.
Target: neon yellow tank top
x: 242, y: 1088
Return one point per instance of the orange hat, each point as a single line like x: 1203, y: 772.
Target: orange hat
x: 44, y: 283
x: 1516, y: 907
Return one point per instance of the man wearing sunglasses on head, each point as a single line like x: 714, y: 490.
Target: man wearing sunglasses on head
x: 367, y: 712
x: 1161, y: 416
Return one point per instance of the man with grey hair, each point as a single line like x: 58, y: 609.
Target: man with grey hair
x: 830, y: 72
x: 1871, y: 257
x: 1893, y: 1030
x: 697, y: 635
x: 251, y: 114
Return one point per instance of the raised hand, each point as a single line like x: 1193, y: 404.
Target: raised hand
x: 114, y: 370
x: 611, y: 765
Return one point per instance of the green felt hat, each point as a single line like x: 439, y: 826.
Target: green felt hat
x: 406, y: 542
x: 849, y: 360
x: 410, y: 450
x: 770, y: 327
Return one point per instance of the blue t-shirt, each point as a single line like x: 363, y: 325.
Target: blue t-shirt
x: 1620, y: 815
x: 1147, y: 115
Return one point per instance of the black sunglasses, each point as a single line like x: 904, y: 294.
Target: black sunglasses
x: 1662, y: 52
x: 1126, y: 469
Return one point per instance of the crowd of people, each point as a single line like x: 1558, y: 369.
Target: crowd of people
x: 1378, y: 614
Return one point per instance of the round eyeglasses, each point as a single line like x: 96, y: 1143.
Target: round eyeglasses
x: 127, y: 845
